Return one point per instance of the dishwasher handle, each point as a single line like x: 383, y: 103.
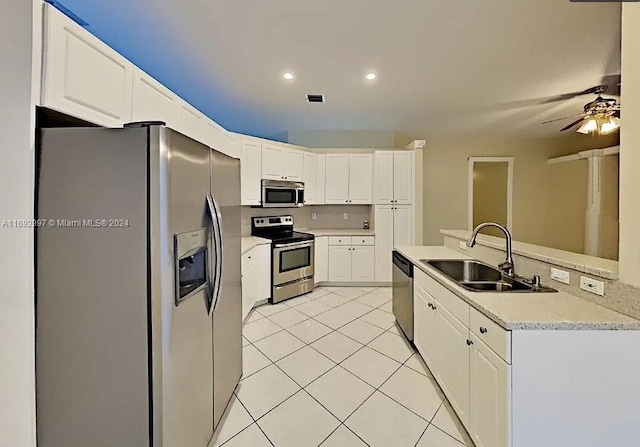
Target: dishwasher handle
x: 403, y: 264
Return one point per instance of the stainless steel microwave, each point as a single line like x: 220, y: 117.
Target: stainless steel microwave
x: 282, y: 194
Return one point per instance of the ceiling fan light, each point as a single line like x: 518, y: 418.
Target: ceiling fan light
x: 588, y: 126
x: 609, y: 126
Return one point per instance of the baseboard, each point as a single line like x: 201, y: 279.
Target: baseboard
x: 352, y: 284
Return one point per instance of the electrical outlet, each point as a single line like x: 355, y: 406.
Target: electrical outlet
x: 313, y: 216
x: 560, y: 275
x: 463, y: 245
x: 592, y: 285
x: 345, y: 216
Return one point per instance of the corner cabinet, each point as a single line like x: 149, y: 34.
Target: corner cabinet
x: 314, y: 178
x: 82, y: 76
x: 351, y: 259
x: 351, y: 179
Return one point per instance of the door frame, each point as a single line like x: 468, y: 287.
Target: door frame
x: 510, y: 162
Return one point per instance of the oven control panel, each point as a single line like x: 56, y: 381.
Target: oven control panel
x: 273, y: 221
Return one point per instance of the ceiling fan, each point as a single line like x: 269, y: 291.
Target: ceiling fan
x: 601, y: 115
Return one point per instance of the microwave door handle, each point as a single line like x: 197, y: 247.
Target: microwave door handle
x: 219, y: 249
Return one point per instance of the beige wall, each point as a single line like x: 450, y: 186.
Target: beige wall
x: 566, y: 205
x: 609, y: 213
x: 445, y: 183
x: 490, y: 182
x: 630, y: 147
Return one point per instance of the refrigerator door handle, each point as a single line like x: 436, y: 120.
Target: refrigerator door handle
x: 216, y: 228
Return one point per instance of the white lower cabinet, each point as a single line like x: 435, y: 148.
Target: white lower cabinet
x: 339, y: 263
x: 452, y: 361
x: 475, y: 379
x: 425, y: 335
x: 362, y: 264
x: 351, y: 259
x: 490, y: 401
x: 321, y: 267
x: 256, y: 277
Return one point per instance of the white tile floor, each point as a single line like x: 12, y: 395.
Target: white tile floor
x: 331, y: 369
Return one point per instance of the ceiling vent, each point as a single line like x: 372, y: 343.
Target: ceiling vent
x: 315, y: 98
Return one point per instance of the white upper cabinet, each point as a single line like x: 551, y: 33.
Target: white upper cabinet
x: 350, y: 179
x: 361, y: 179
x: 293, y: 167
x: 191, y: 123
x: 314, y: 178
x: 152, y: 101
x: 219, y: 139
x: 279, y: 163
x: 403, y: 177
x: 272, y: 162
x: 82, y: 76
x: 393, y: 177
x: 251, y: 172
x: 337, y: 186
x: 383, y: 177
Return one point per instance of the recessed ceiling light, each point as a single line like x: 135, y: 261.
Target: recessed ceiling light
x: 371, y: 76
x: 288, y: 76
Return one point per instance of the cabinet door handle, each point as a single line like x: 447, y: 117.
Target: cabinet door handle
x: 469, y: 342
x: 483, y: 330
x: 433, y: 306
x: 430, y: 305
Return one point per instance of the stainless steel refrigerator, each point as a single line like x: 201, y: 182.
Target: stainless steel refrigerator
x: 138, y: 289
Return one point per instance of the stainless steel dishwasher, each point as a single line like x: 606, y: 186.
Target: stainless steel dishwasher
x: 403, y: 293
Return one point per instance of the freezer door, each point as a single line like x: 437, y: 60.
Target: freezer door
x: 186, y: 339
x: 227, y: 305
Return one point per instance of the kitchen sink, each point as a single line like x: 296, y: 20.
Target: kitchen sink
x: 477, y: 276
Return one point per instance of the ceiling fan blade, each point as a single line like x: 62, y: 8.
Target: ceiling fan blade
x: 575, y: 123
x: 560, y: 119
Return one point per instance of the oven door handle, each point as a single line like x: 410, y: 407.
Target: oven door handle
x: 294, y: 245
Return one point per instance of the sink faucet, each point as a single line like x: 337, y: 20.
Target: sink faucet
x: 507, y: 265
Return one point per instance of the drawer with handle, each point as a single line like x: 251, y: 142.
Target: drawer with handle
x: 340, y: 240
x: 363, y: 240
x: 494, y: 335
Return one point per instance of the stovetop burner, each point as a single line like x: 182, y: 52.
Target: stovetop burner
x: 279, y: 229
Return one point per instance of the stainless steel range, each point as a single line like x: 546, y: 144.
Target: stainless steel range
x: 292, y: 254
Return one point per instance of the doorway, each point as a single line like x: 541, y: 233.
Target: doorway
x: 490, y: 192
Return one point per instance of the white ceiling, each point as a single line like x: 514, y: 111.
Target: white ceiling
x: 444, y: 66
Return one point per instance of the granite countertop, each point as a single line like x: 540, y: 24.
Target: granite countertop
x: 605, y: 268
x: 249, y: 242
x: 513, y: 311
x: 340, y: 232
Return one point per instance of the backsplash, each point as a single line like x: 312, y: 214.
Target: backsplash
x: 327, y: 216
